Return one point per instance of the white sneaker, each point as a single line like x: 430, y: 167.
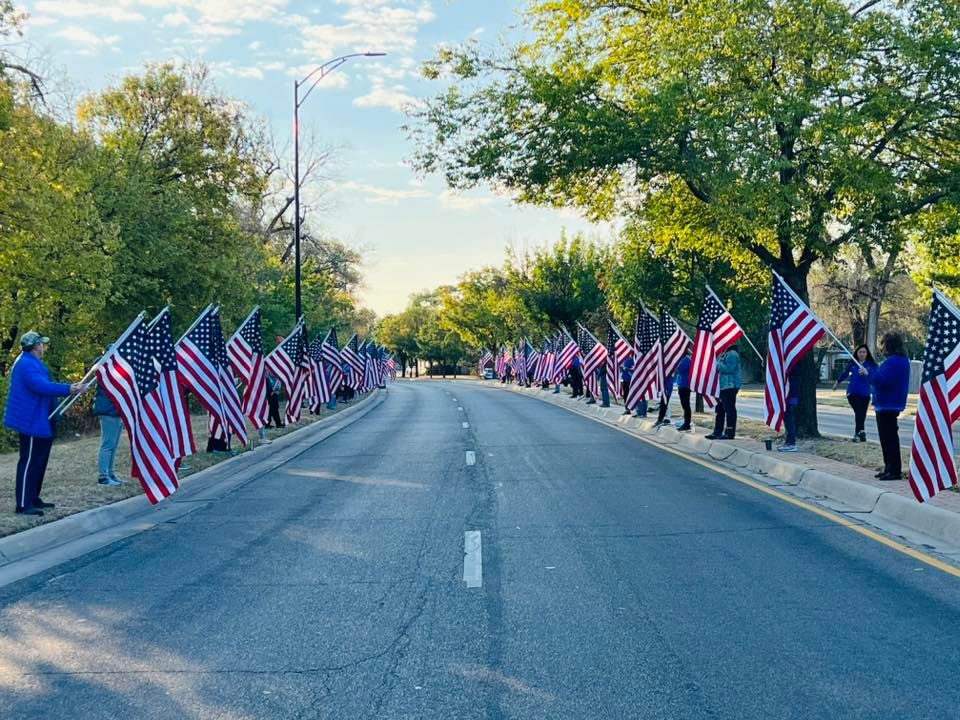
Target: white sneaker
x: 787, y: 448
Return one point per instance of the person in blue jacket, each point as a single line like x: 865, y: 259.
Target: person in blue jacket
x: 858, y: 389
x: 27, y: 413
x: 728, y: 368
x: 626, y: 374
x: 683, y: 391
x: 891, y: 383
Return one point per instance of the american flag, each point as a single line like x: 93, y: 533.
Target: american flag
x: 205, y: 371
x: 716, y: 331
x: 643, y: 383
x: 230, y: 398
x: 533, y: 360
x: 567, y: 350
x: 285, y: 361
x: 128, y: 375
x: 245, y: 350
x: 675, y: 343
x: 391, y: 367
x: 794, y: 329
x: 594, y: 356
x: 331, y: 358
x: 546, y: 365
x: 520, y: 362
x: 932, y: 467
x: 484, y: 359
x: 168, y: 399
x: 351, y: 356
x: 318, y: 385
x: 369, y: 367
x: 618, y: 350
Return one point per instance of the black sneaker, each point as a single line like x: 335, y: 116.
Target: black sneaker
x: 42, y: 504
x: 863, y: 436
x: 713, y: 436
x: 30, y: 511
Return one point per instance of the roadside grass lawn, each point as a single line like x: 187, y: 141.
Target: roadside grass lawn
x: 71, y: 478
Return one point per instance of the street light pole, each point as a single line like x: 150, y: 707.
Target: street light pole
x: 321, y: 72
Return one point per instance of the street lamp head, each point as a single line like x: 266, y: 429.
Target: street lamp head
x: 377, y: 54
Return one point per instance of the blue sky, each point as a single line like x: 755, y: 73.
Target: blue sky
x: 416, y: 233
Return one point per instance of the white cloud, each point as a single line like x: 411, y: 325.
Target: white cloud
x: 334, y: 81
x: 174, y: 19
x: 395, y: 98
x: 255, y: 45
x: 115, y: 10
x: 455, y: 201
x: 90, y: 41
x: 382, y: 195
x: 38, y: 21
x: 229, y: 69
x: 368, y: 27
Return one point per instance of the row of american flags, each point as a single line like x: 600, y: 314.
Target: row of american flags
x: 147, y: 376
x: 658, y: 343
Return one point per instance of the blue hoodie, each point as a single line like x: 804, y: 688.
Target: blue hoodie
x: 28, y: 402
x: 891, y: 382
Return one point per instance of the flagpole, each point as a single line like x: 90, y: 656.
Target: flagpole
x: 822, y: 323
x: 620, y: 334
x: 256, y: 307
x: 159, y: 315
x: 717, y: 298
x: 196, y: 322
x: 67, y: 402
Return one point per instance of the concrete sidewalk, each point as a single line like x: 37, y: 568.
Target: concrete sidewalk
x: 26, y: 553
x: 849, y: 490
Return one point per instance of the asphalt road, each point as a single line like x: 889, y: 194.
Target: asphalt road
x: 617, y: 581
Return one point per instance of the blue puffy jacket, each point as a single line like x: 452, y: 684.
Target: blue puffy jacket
x: 859, y: 385
x: 891, y: 382
x: 28, y: 402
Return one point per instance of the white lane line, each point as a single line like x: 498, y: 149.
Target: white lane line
x: 460, y: 409
x: 472, y: 559
x: 471, y: 457
x: 454, y: 399
x: 465, y: 425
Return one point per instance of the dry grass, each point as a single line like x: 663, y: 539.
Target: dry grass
x: 71, y: 479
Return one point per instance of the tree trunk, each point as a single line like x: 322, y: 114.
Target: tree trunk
x: 808, y: 371
x: 873, y: 320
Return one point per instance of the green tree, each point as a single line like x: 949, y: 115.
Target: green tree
x: 793, y: 126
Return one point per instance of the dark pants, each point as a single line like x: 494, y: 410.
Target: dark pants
x: 726, y: 412
x: 34, y: 453
x: 624, y: 390
x: 790, y: 423
x: 274, y: 401
x: 576, y: 383
x: 889, y: 440
x: 684, y: 394
x: 859, y: 403
x: 664, y: 405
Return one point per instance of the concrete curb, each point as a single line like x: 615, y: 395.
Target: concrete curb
x: 883, y: 507
x: 136, y: 514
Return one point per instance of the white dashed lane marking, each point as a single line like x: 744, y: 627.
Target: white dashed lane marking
x: 472, y: 559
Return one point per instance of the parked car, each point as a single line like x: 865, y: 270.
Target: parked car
x: 489, y: 374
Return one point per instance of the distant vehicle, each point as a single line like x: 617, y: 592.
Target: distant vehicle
x: 489, y: 374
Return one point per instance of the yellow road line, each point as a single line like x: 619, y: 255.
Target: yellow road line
x: 797, y: 502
